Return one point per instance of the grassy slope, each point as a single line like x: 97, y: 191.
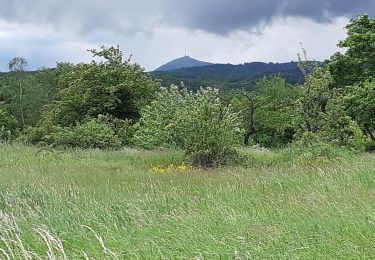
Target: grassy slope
x: 261, y: 212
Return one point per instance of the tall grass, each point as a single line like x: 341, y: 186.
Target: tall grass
x: 109, y: 205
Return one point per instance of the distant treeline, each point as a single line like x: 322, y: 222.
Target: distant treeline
x: 230, y: 76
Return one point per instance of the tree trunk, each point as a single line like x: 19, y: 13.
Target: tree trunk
x: 371, y: 134
x: 250, y: 127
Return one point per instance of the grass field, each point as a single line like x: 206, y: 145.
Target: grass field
x: 57, y: 204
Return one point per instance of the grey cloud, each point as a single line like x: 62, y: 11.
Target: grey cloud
x: 222, y: 17
x: 129, y: 17
x: 82, y: 16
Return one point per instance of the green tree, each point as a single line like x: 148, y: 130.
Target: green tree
x: 313, y: 97
x: 267, y: 112
x: 360, y: 105
x: 353, y: 73
x: 39, y: 89
x: 357, y: 64
x: 322, y: 117
x: 111, y: 86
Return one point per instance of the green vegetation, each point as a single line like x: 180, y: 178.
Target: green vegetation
x: 275, y: 208
x: 229, y: 76
x: 106, y: 104
x: 271, y: 171
x: 176, y: 116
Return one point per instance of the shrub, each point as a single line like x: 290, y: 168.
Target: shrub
x: 198, y: 123
x: 93, y: 133
x: 208, y: 130
x: 311, y: 149
x: 8, y: 125
x: 123, y: 129
x: 337, y: 128
x: 154, y: 127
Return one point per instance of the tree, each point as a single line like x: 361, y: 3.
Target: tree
x: 18, y: 66
x: 154, y: 128
x: 267, y: 112
x: 254, y: 102
x: 111, y: 86
x: 313, y: 97
x: 322, y: 117
x: 360, y: 105
x: 357, y: 64
x: 353, y: 73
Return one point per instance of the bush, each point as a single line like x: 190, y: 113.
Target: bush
x: 154, y: 128
x: 312, y: 149
x: 93, y: 133
x: 208, y: 130
x: 198, y: 123
x: 341, y: 130
x: 123, y: 129
x: 8, y: 125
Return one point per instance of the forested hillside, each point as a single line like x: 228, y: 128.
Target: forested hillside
x: 230, y: 76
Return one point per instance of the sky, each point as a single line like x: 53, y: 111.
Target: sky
x: 157, y: 31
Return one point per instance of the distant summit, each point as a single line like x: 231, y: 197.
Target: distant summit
x: 183, y: 62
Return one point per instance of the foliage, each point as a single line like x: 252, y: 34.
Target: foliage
x: 267, y: 112
x: 8, y: 125
x: 18, y: 66
x: 155, y: 125
x: 360, y: 105
x: 228, y: 76
x: 357, y: 64
x: 92, y: 133
x: 104, y: 95
x: 340, y: 129
x: 313, y: 97
x: 322, y: 113
x: 354, y: 71
x: 39, y: 89
x: 111, y: 86
x: 199, y: 123
x: 207, y: 130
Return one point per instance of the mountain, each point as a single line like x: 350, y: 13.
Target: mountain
x: 229, y: 76
x: 183, y: 62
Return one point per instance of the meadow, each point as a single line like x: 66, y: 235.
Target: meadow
x: 134, y: 204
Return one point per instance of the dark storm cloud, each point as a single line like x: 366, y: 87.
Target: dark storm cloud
x: 130, y: 17
x: 222, y: 16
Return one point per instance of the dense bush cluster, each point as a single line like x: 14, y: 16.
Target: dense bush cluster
x: 100, y: 132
